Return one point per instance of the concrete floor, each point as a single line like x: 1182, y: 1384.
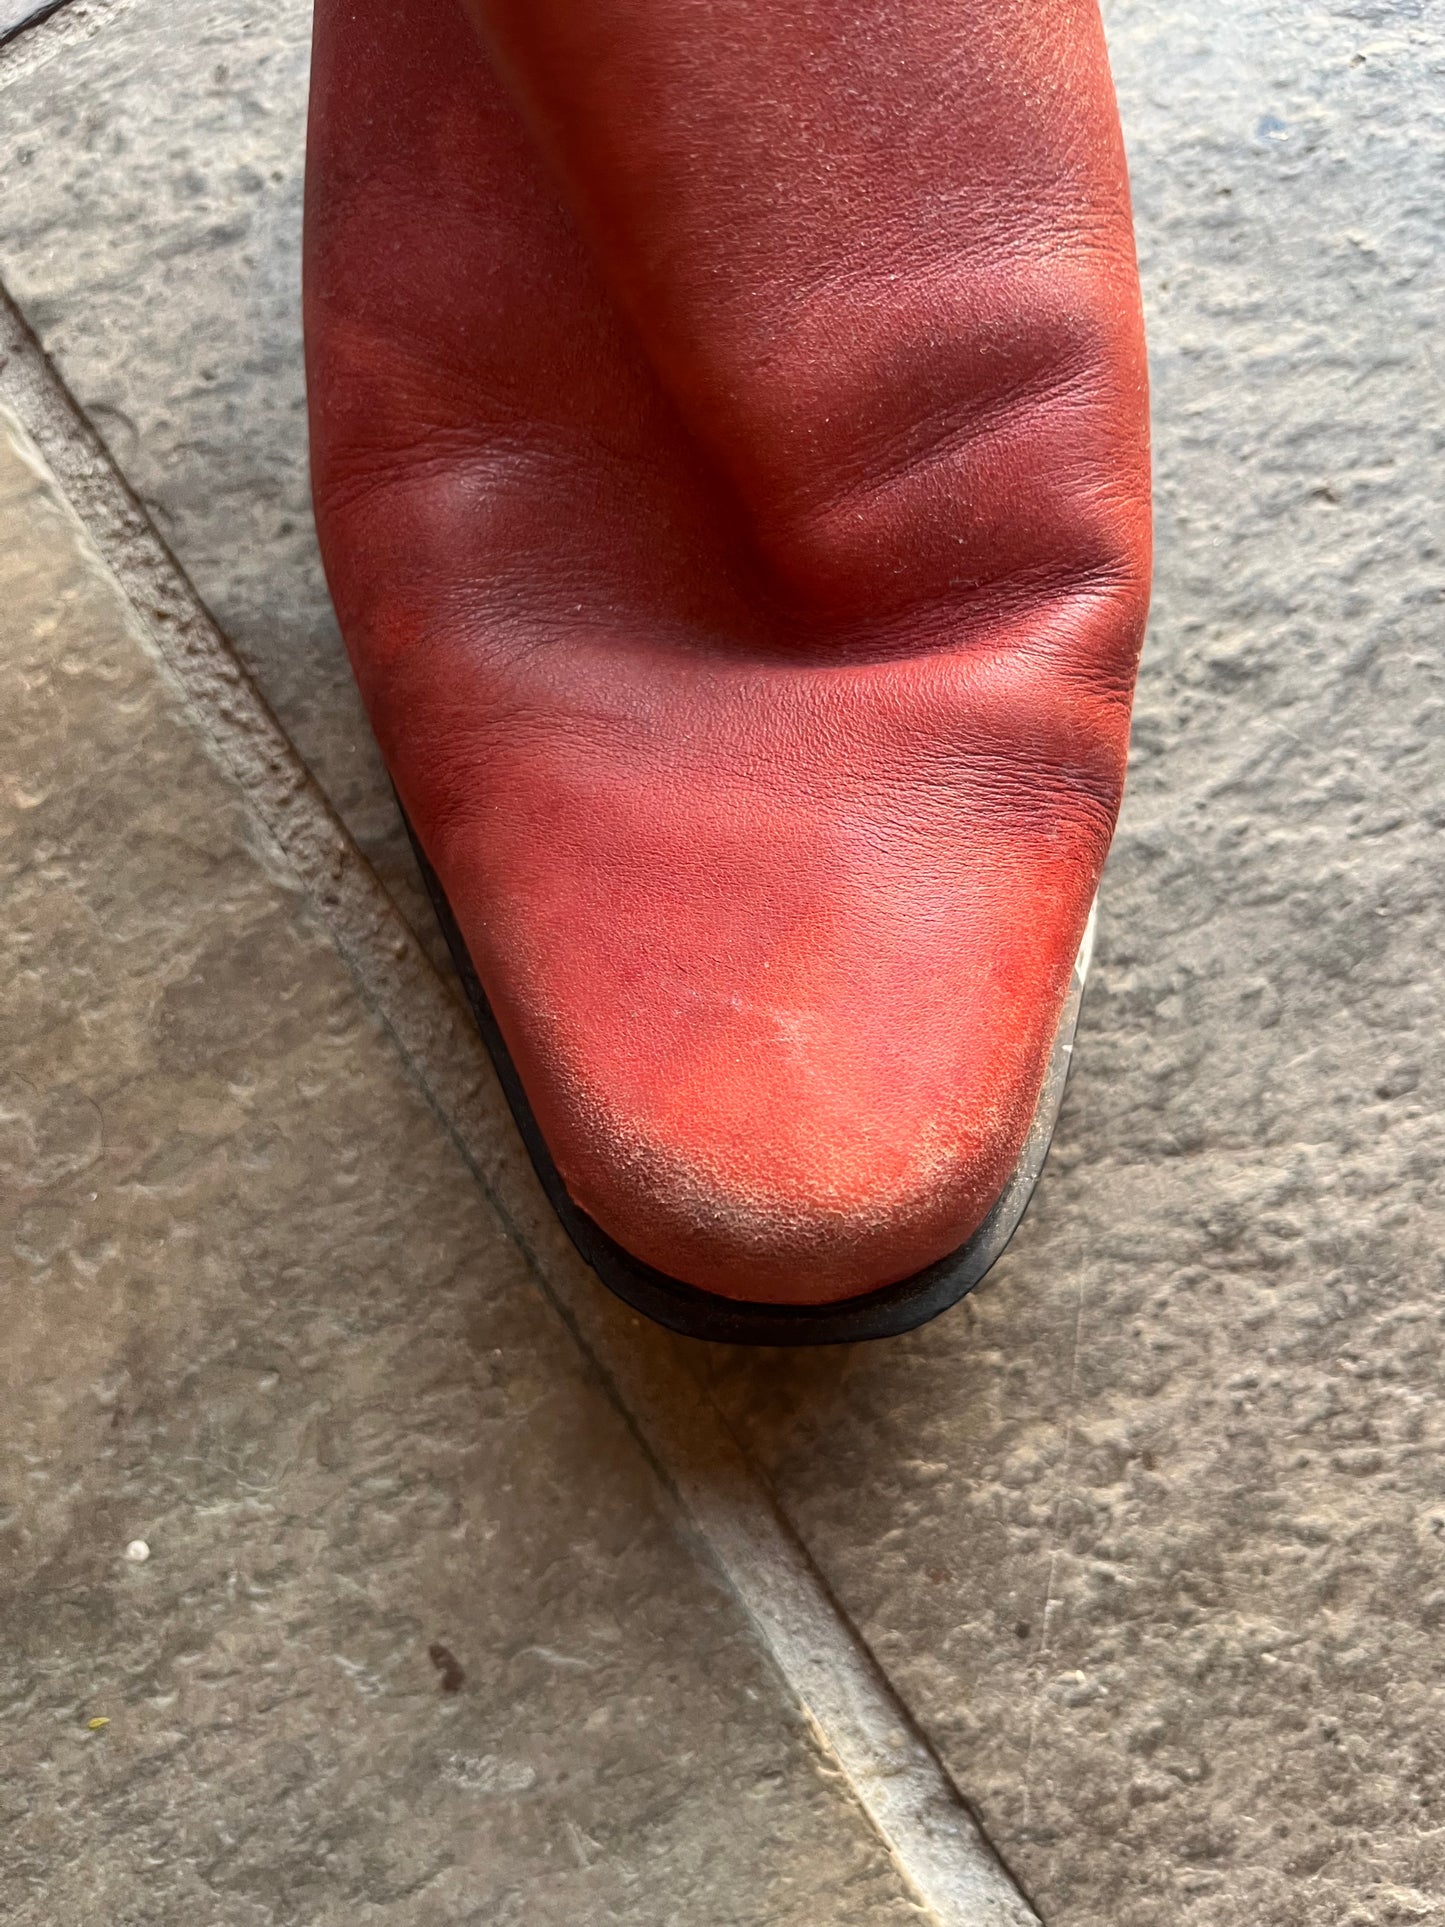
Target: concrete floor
x: 449, y: 1618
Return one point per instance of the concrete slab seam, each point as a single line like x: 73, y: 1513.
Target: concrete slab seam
x: 51, y: 31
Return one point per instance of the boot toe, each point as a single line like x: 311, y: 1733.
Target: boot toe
x: 789, y: 1094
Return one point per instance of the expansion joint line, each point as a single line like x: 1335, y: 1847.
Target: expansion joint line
x: 52, y: 27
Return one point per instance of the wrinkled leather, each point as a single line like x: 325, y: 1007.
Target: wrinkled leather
x: 729, y: 441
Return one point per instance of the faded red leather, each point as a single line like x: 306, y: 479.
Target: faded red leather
x: 729, y: 441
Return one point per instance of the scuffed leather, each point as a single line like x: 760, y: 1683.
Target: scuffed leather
x: 729, y: 442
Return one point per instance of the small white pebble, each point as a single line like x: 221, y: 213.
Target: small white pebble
x: 137, y: 1552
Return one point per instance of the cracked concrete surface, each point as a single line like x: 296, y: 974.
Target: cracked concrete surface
x: 1149, y: 1534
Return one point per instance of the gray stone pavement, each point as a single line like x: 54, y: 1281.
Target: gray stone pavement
x: 1150, y: 1534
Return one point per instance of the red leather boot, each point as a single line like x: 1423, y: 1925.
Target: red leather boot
x: 729, y: 439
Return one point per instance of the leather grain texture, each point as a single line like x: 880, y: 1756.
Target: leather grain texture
x: 729, y: 438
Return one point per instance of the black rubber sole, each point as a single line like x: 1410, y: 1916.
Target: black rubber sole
x: 726, y: 1321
